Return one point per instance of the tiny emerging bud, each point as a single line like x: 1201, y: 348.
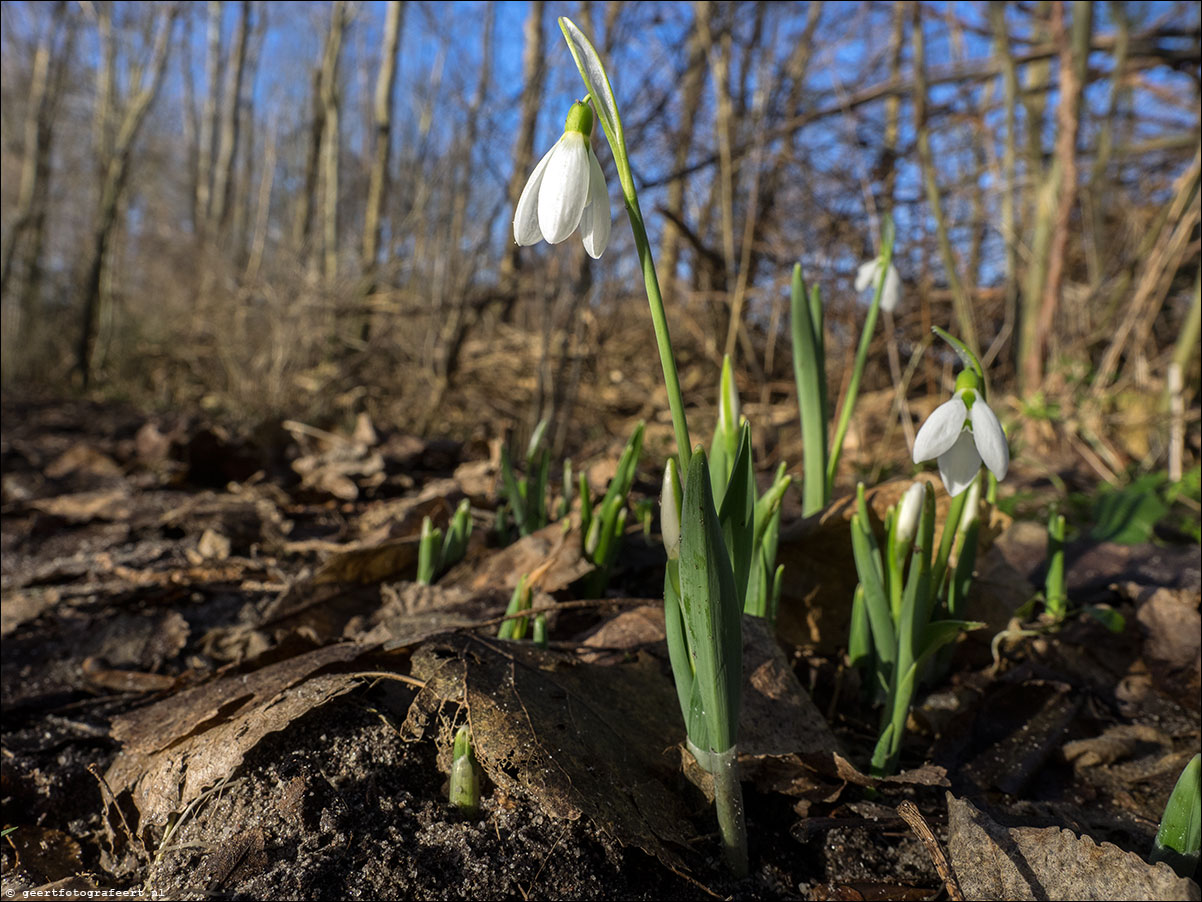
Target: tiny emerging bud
x: 728, y: 403
x: 910, y: 513
x: 465, y: 774
x: 669, y: 510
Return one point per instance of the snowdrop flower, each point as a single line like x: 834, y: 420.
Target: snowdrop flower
x: 567, y: 189
x: 963, y: 433
x: 867, y: 275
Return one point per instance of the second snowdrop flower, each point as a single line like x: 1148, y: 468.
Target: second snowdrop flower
x: 868, y: 274
x: 567, y: 189
x: 963, y: 433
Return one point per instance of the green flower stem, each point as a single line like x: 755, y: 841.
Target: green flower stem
x: 728, y: 801
x: 592, y: 72
x: 1056, y: 600
x: 659, y: 319
x: 853, y: 387
x: 948, y: 539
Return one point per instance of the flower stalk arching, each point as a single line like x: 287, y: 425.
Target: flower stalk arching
x: 601, y: 94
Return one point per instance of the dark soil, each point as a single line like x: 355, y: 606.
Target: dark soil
x: 101, y: 602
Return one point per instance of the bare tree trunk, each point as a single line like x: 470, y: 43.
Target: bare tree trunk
x: 32, y: 154
x: 303, y: 224
x: 893, y: 110
x: 27, y: 233
x: 1040, y: 207
x: 114, y: 156
x: 960, y: 300
x: 455, y: 277
x: 377, y: 189
x: 690, y: 100
x: 719, y: 52
x: 258, y: 240
x: 533, y: 76
x: 208, y: 121
x: 1074, y: 59
x: 240, y: 212
x: 1001, y: 47
x: 1120, y: 91
x: 191, y: 118
x: 331, y: 140
x: 227, y: 142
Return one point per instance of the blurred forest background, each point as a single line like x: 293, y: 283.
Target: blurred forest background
x: 303, y: 209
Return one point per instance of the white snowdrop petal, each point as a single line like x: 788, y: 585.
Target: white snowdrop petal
x: 959, y: 465
x: 525, y: 214
x: 866, y: 274
x: 941, y: 430
x: 564, y: 191
x: 595, y: 222
x: 892, y: 291
x: 990, y: 438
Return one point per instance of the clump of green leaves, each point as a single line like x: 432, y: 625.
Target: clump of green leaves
x: 525, y: 496
x: 603, y: 524
x: 436, y: 552
x: 894, y: 631
x: 750, y: 523
x: 702, y: 610
x: 1180, y: 835
x: 513, y: 627
x: 1131, y: 514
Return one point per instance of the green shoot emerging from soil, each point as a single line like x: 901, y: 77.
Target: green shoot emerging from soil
x: 464, y: 788
x: 706, y: 584
x: 1180, y: 833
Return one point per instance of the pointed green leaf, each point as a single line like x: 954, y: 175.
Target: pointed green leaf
x: 711, y: 607
x: 513, y: 493
x: 1180, y: 833
x: 737, y: 514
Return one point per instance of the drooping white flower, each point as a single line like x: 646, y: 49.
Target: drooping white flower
x: 867, y: 275
x: 963, y: 433
x: 567, y: 189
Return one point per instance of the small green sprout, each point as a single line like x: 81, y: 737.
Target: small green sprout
x: 1055, y: 596
x: 565, y: 498
x: 525, y: 496
x: 603, y: 526
x: 1180, y: 834
x: 540, y: 631
x: 515, y: 627
x: 464, y: 788
x: 436, y: 552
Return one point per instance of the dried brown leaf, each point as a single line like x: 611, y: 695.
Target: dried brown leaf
x: 1013, y: 863
x: 579, y: 739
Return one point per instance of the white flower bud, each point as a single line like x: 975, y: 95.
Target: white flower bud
x: 669, y: 510
x: 910, y: 513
